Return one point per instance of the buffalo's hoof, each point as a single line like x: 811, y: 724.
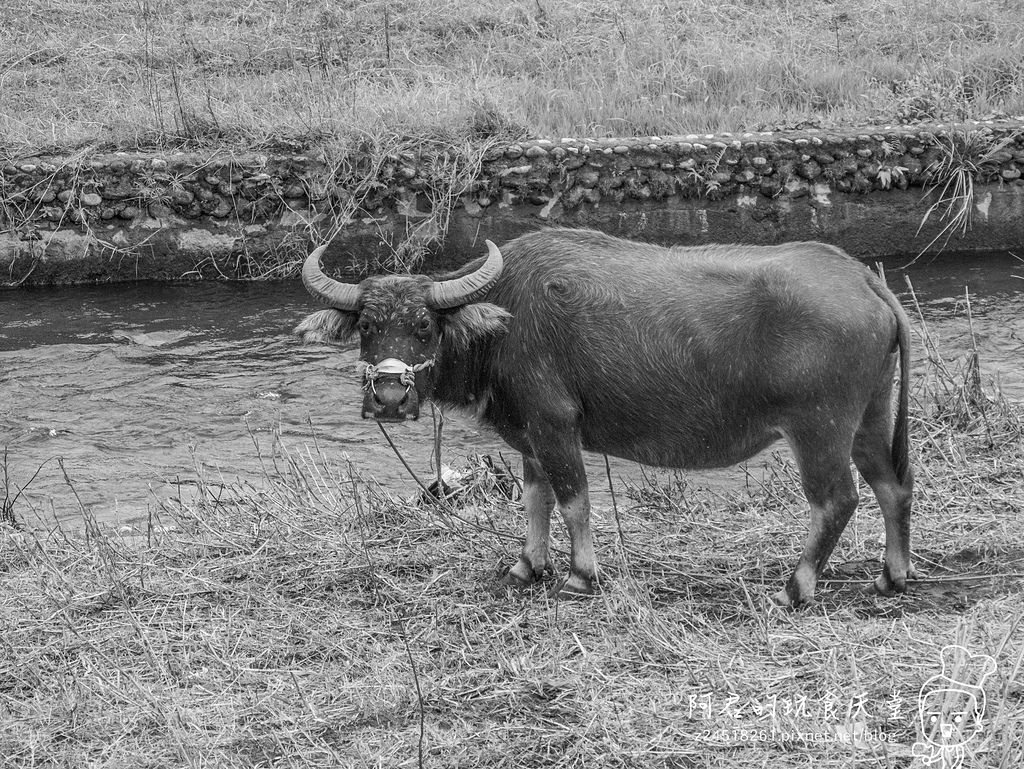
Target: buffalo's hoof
x: 574, y: 586
x: 888, y: 585
x: 522, y: 575
x: 784, y: 600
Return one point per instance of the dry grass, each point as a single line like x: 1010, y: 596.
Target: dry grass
x: 267, y: 74
x: 316, y: 620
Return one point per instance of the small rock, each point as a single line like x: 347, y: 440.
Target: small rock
x: 642, y: 192
x: 91, y: 199
x: 864, y: 152
x: 182, y: 197
x: 797, y: 188
x: 810, y: 170
x: 471, y: 207
x: 517, y: 170
x: 159, y: 211
x: 1009, y: 174
x: 223, y: 209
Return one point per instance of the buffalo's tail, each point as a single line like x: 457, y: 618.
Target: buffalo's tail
x: 900, y: 434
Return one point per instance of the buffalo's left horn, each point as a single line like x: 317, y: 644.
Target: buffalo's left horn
x: 341, y: 296
x: 446, y: 294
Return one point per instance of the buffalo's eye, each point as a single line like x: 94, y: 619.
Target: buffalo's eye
x: 424, y: 326
x: 365, y: 326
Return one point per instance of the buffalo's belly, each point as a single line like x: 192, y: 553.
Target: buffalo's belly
x: 684, y: 450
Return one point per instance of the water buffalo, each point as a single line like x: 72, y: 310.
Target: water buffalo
x: 686, y: 357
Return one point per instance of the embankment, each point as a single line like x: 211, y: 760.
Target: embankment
x: 103, y: 217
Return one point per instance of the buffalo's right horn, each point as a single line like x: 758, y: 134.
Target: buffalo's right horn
x: 341, y: 296
x: 447, y: 294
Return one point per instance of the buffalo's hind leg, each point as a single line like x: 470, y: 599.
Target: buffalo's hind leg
x: 539, y: 501
x: 824, y: 460
x: 872, y: 454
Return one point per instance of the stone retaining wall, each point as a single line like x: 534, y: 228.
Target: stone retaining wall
x: 169, y: 215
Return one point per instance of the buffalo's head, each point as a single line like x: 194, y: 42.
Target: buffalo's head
x: 403, y: 322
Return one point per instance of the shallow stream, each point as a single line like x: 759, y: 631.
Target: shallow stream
x: 135, y: 387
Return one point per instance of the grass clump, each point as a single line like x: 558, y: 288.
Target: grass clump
x: 156, y: 73
x: 316, y: 619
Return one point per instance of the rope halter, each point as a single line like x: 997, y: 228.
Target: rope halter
x: 406, y: 373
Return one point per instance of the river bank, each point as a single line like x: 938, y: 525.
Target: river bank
x: 322, y: 620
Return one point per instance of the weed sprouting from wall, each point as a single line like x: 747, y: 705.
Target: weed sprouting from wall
x: 966, y: 157
x: 357, y: 180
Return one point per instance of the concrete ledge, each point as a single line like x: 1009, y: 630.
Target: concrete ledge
x: 125, y: 216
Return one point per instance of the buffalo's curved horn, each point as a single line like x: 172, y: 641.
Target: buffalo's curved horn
x: 341, y: 296
x: 447, y: 294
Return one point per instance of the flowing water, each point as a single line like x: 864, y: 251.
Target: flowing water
x: 114, y: 397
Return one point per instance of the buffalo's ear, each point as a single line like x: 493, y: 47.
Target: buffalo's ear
x: 474, y: 321
x: 327, y: 326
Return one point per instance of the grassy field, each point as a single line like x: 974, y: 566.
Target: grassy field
x: 262, y: 74
x: 316, y: 620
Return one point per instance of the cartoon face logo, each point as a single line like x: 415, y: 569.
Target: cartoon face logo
x: 950, y: 716
x: 950, y: 707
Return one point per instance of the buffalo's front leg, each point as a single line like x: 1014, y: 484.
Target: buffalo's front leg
x: 539, y: 501
x: 557, y: 449
x: 582, y: 579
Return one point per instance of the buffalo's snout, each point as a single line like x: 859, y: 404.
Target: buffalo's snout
x: 388, y: 400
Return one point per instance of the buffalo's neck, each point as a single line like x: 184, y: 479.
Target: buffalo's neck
x: 463, y: 378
